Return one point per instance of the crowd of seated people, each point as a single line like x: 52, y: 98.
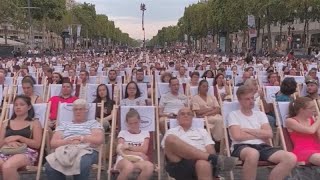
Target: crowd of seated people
x: 193, y: 149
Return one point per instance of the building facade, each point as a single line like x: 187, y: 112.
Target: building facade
x: 41, y: 39
x: 289, y: 36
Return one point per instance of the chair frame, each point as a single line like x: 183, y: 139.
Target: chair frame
x: 36, y: 168
x: 117, y: 121
x: 98, y: 166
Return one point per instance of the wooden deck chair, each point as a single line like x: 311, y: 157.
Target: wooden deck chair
x: 93, y: 79
x: 11, y: 92
x: 55, y: 90
x: 196, y: 123
x: 148, y: 123
x: 299, y: 79
x: 143, y: 87
x: 237, y: 79
x: 147, y: 78
x: 262, y: 79
x: 270, y: 93
x: 193, y: 90
x: 38, y: 89
x: 8, y: 81
x: 201, y: 72
x: 1, y: 94
x: 228, y: 107
x: 163, y: 88
x: 282, y: 111
x: 42, y: 112
x: 18, y: 80
x: 65, y: 114
x: 234, y: 93
x: 210, y: 81
x: 302, y: 89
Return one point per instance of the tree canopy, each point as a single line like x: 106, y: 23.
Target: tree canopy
x: 229, y: 16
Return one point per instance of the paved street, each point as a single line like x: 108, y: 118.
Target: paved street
x: 301, y: 174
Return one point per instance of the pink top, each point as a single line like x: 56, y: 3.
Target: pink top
x: 304, y: 145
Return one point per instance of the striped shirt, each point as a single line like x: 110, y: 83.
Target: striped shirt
x: 70, y: 129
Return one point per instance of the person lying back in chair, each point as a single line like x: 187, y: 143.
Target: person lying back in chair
x: 190, y: 153
x: 132, y: 149
x: 75, y: 143
x: 20, y: 139
x: 249, y: 129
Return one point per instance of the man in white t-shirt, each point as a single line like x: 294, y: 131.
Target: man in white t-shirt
x: 189, y: 151
x: 249, y: 131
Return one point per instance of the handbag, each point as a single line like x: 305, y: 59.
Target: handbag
x: 8, y: 150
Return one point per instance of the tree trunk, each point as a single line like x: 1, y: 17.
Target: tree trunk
x: 304, y: 33
x: 269, y: 31
x: 281, y: 26
x: 307, y: 35
x: 5, y: 34
x: 227, y: 42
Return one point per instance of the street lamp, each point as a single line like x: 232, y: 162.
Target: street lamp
x: 143, y: 8
x: 31, y: 41
x: 290, y: 34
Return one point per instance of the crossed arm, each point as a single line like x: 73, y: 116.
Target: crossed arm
x: 243, y: 134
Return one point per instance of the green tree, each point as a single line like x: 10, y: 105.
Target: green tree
x: 9, y: 14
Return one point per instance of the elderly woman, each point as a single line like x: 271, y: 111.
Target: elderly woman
x: 81, y: 134
x: 203, y: 105
x: 27, y: 87
x: 22, y: 130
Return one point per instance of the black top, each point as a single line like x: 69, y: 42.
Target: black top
x: 24, y: 132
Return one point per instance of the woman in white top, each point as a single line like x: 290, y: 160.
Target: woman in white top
x: 132, y: 149
x: 132, y: 96
x: 220, y: 87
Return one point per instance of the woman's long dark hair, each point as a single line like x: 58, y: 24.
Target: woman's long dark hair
x: 98, y: 98
x: 202, y: 82
x: 206, y: 72
x: 216, y: 77
x: 27, y: 100
x: 138, y: 94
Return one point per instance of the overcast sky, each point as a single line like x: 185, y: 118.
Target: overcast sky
x: 127, y: 15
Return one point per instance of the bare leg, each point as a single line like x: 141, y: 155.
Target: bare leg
x: 285, y: 161
x: 176, y: 149
x: 126, y: 168
x: 203, y: 170
x: 146, y: 168
x: 250, y: 157
x: 315, y: 159
x: 1, y: 163
x: 11, y: 166
x: 217, y: 127
x: 162, y: 125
